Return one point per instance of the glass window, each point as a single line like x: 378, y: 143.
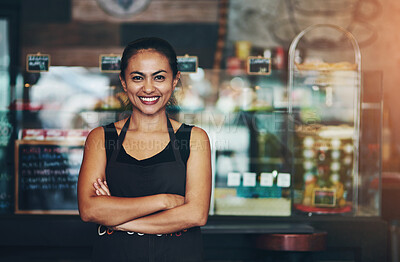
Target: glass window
x: 4, y: 64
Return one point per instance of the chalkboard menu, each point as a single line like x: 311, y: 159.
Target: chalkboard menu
x: 47, y: 176
x: 37, y: 63
x: 110, y: 63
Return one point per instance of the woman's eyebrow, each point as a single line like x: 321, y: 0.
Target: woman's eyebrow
x: 153, y: 74
x: 136, y: 72
x: 159, y: 71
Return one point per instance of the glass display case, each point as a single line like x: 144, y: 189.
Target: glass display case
x: 325, y: 107
x: 291, y: 143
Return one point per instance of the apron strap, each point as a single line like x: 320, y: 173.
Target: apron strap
x: 172, y: 138
x: 174, y: 144
x: 120, y: 139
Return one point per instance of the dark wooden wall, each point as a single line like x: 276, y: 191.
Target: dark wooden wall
x: 76, y: 32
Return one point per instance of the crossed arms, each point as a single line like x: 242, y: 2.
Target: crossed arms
x: 155, y: 214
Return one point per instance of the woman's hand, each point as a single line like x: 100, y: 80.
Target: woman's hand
x: 101, y: 188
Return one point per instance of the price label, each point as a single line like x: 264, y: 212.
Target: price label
x: 249, y: 179
x: 267, y: 179
x: 258, y: 65
x: 324, y: 197
x: 283, y: 180
x: 233, y: 179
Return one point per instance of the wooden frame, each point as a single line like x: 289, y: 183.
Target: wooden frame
x: 18, y: 143
x: 38, y: 55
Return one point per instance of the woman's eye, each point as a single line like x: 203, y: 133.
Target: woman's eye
x: 159, y: 77
x: 136, y: 78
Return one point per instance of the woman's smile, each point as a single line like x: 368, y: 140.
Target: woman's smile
x: 149, y: 100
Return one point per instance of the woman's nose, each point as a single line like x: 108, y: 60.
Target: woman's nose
x: 148, y: 86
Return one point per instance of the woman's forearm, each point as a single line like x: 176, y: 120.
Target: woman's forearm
x: 169, y: 221
x: 111, y: 211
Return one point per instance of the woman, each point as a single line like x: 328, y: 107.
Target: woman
x: 146, y: 180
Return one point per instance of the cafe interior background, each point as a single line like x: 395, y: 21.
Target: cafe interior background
x: 244, y: 114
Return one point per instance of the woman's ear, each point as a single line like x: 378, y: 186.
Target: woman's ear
x: 123, y: 83
x: 176, y: 79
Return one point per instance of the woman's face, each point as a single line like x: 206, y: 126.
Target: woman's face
x: 149, y: 81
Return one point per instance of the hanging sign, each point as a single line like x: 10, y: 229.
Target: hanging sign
x: 110, y: 63
x: 37, y: 63
x: 257, y: 65
x: 187, y: 64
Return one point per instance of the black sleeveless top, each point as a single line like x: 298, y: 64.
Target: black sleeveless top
x: 166, y: 155
x: 126, y: 176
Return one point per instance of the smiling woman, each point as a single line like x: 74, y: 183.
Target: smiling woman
x: 149, y: 79
x: 148, y: 185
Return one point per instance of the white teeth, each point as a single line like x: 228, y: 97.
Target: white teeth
x: 149, y: 99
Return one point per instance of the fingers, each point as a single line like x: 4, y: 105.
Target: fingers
x: 104, y: 187
x: 101, y: 188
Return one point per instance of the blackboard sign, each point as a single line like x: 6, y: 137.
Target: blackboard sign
x: 110, y: 63
x: 324, y: 197
x: 258, y: 65
x: 37, y: 63
x: 46, y: 176
x: 187, y: 64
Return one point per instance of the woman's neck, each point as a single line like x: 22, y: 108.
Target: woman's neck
x: 148, y: 123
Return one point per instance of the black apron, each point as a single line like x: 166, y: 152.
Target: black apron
x: 129, y: 180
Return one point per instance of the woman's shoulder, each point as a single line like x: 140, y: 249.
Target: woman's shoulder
x: 96, y: 135
x: 199, y: 140
x: 199, y: 134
